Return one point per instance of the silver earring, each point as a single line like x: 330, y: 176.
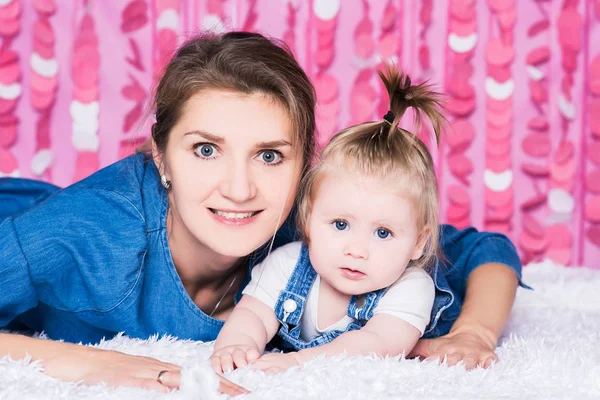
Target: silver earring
x: 166, y: 184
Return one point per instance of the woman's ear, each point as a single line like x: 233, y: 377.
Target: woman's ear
x: 422, y: 240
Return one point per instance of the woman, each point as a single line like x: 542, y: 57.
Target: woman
x: 163, y: 244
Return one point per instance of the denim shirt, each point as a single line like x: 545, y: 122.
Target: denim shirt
x: 92, y: 260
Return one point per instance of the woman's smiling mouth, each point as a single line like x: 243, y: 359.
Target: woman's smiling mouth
x: 234, y: 218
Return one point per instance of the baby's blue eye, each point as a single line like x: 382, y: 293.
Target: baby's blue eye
x: 205, y: 150
x: 340, y: 225
x: 383, y: 233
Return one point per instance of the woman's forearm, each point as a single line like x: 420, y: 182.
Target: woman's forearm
x: 491, y: 290
x: 19, y: 346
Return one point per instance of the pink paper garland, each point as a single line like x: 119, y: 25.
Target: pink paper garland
x: 461, y: 39
x: 10, y: 79
x: 85, y: 105
x: 326, y: 85
x: 43, y: 88
x: 134, y: 17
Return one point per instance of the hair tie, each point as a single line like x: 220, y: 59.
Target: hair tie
x: 389, y: 117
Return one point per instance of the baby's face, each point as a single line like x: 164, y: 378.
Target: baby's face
x: 363, y: 233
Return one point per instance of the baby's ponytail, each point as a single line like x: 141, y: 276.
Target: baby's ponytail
x: 403, y: 95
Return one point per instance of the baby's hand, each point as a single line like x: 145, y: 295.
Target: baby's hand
x: 276, y: 362
x: 227, y: 358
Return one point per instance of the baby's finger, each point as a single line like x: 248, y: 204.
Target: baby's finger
x: 226, y: 362
x: 215, y: 363
x: 239, y: 358
x: 252, y: 355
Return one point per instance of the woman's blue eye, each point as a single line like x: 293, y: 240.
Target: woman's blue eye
x: 340, y: 225
x: 383, y: 233
x: 269, y: 157
x: 206, y: 150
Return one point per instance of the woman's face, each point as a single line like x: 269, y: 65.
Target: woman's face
x: 234, y: 169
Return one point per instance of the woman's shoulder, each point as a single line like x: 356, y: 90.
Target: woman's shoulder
x: 89, y: 238
x: 125, y: 178
x: 112, y: 193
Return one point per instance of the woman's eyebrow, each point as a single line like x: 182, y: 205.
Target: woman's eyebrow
x: 274, y: 144
x: 221, y: 140
x: 207, y: 136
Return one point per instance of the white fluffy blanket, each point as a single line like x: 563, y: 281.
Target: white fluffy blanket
x: 550, y: 350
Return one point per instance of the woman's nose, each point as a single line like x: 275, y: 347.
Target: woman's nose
x: 237, y: 184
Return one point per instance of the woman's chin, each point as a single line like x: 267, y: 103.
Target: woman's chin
x: 236, y: 247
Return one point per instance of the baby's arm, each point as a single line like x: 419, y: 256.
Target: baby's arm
x: 401, y: 316
x: 384, y: 335
x: 243, y: 338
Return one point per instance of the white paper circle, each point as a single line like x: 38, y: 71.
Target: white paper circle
x: 326, y: 9
x: 213, y: 23
x: 10, y: 92
x: 462, y: 44
x: 560, y: 201
x: 47, y: 68
x: 41, y: 161
x: 567, y: 109
x: 497, y: 181
x: 534, y: 73
x: 82, y: 112
x: 89, y: 125
x: 168, y: 19
x: 499, y: 91
x: 14, y: 174
x: 85, y: 142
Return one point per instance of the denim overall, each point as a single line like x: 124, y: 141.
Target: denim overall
x: 291, y: 302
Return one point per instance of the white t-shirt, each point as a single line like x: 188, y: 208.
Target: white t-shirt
x: 410, y: 298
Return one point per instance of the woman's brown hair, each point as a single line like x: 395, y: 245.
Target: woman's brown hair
x: 238, y: 61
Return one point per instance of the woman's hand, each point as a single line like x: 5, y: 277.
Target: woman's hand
x: 92, y: 366
x: 467, y: 346
x: 227, y: 358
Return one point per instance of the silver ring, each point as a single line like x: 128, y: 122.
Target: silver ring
x: 159, y: 377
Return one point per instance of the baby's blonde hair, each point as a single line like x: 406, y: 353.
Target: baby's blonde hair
x: 384, y: 150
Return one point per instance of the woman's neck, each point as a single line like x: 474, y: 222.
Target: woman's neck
x: 197, y: 265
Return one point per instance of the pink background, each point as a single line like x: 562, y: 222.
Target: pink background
x: 522, y: 78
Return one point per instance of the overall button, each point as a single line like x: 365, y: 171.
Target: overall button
x: 289, y: 306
